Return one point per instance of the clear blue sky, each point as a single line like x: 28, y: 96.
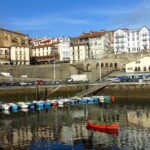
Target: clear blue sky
x: 72, y: 17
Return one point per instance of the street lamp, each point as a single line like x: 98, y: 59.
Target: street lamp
x: 54, y: 71
x: 100, y: 71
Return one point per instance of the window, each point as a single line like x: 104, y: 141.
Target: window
x: 144, y: 69
x: 139, y: 69
x: 137, y: 62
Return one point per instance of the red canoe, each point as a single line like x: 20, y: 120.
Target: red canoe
x: 106, y: 127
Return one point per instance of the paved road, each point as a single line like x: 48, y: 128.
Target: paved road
x: 63, y: 85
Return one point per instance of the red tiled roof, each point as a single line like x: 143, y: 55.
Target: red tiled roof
x: 46, y: 45
x: 45, y: 41
x: 92, y: 34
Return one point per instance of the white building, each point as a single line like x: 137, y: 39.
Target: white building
x: 64, y: 49
x: 99, y: 42
x: 99, y: 45
x: 41, y: 50
x: 79, y: 52
x: 131, y: 41
x: 139, y: 66
x: 19, y: 55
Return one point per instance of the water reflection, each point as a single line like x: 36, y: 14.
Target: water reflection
x: 65, y: 128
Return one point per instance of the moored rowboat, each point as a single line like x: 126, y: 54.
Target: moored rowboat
x: 107, y: 127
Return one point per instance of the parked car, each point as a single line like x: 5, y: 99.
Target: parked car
x: 30, y: 83
x: 17, y: 84
x: 114, y: 80
x: 3, y: 84
x: 23, y: 83
x: 10, y: 84
x: 40, y: 82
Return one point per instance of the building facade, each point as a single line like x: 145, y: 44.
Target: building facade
x: 141, y: 65
x: 50, y: 49
x: 79, y: 52
x: 10, y: 38
x: 64, y: 49
x: 44, y: 53
x: 99, y: 43
x: 19, y: 55
x: 131, y: 41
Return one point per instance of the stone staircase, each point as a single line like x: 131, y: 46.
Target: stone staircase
x: 92, y: 89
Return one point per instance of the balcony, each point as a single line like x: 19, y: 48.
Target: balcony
x: 145, y: 45
x: 144, y: 39
x: 119, y: 36
x: 144, y: 34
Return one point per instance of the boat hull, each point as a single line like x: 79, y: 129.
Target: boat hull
x: 109, y: 128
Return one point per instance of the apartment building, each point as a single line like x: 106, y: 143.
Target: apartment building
x: 64, y: 49
x: 131, y: 41
x: 44, y: 53
x: 99, y: 43
x: 19, y: 55
x: 14, y: 47
x: 45, y: 50
x: 79, y: 52
x: 11, y: 38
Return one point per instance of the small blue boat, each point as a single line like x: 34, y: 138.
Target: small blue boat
x: 14, y: 107
x: 47, y: 105
x: 40, y: 105
x: 83, y: 100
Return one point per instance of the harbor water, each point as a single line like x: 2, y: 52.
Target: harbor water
x: 65, y: 128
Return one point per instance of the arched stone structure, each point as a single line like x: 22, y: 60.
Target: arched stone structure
x: 106, y: 65
x: 111, y: 65
x: 115, y: 65
x: 97, y: 65
x: 88, y: 67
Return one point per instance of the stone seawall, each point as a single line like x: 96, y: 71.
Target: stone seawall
x: 140, y: 91
x: 130, y: 92
x: 62, y: 71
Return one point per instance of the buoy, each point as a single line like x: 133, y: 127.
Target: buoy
x: 113, y: 98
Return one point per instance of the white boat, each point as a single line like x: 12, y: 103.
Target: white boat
x: 23, y: 105
x: 6, y: 106
x: 66, y: 101
x: 60, y: 102
x: 7, y: 112
x: 101, y: 99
